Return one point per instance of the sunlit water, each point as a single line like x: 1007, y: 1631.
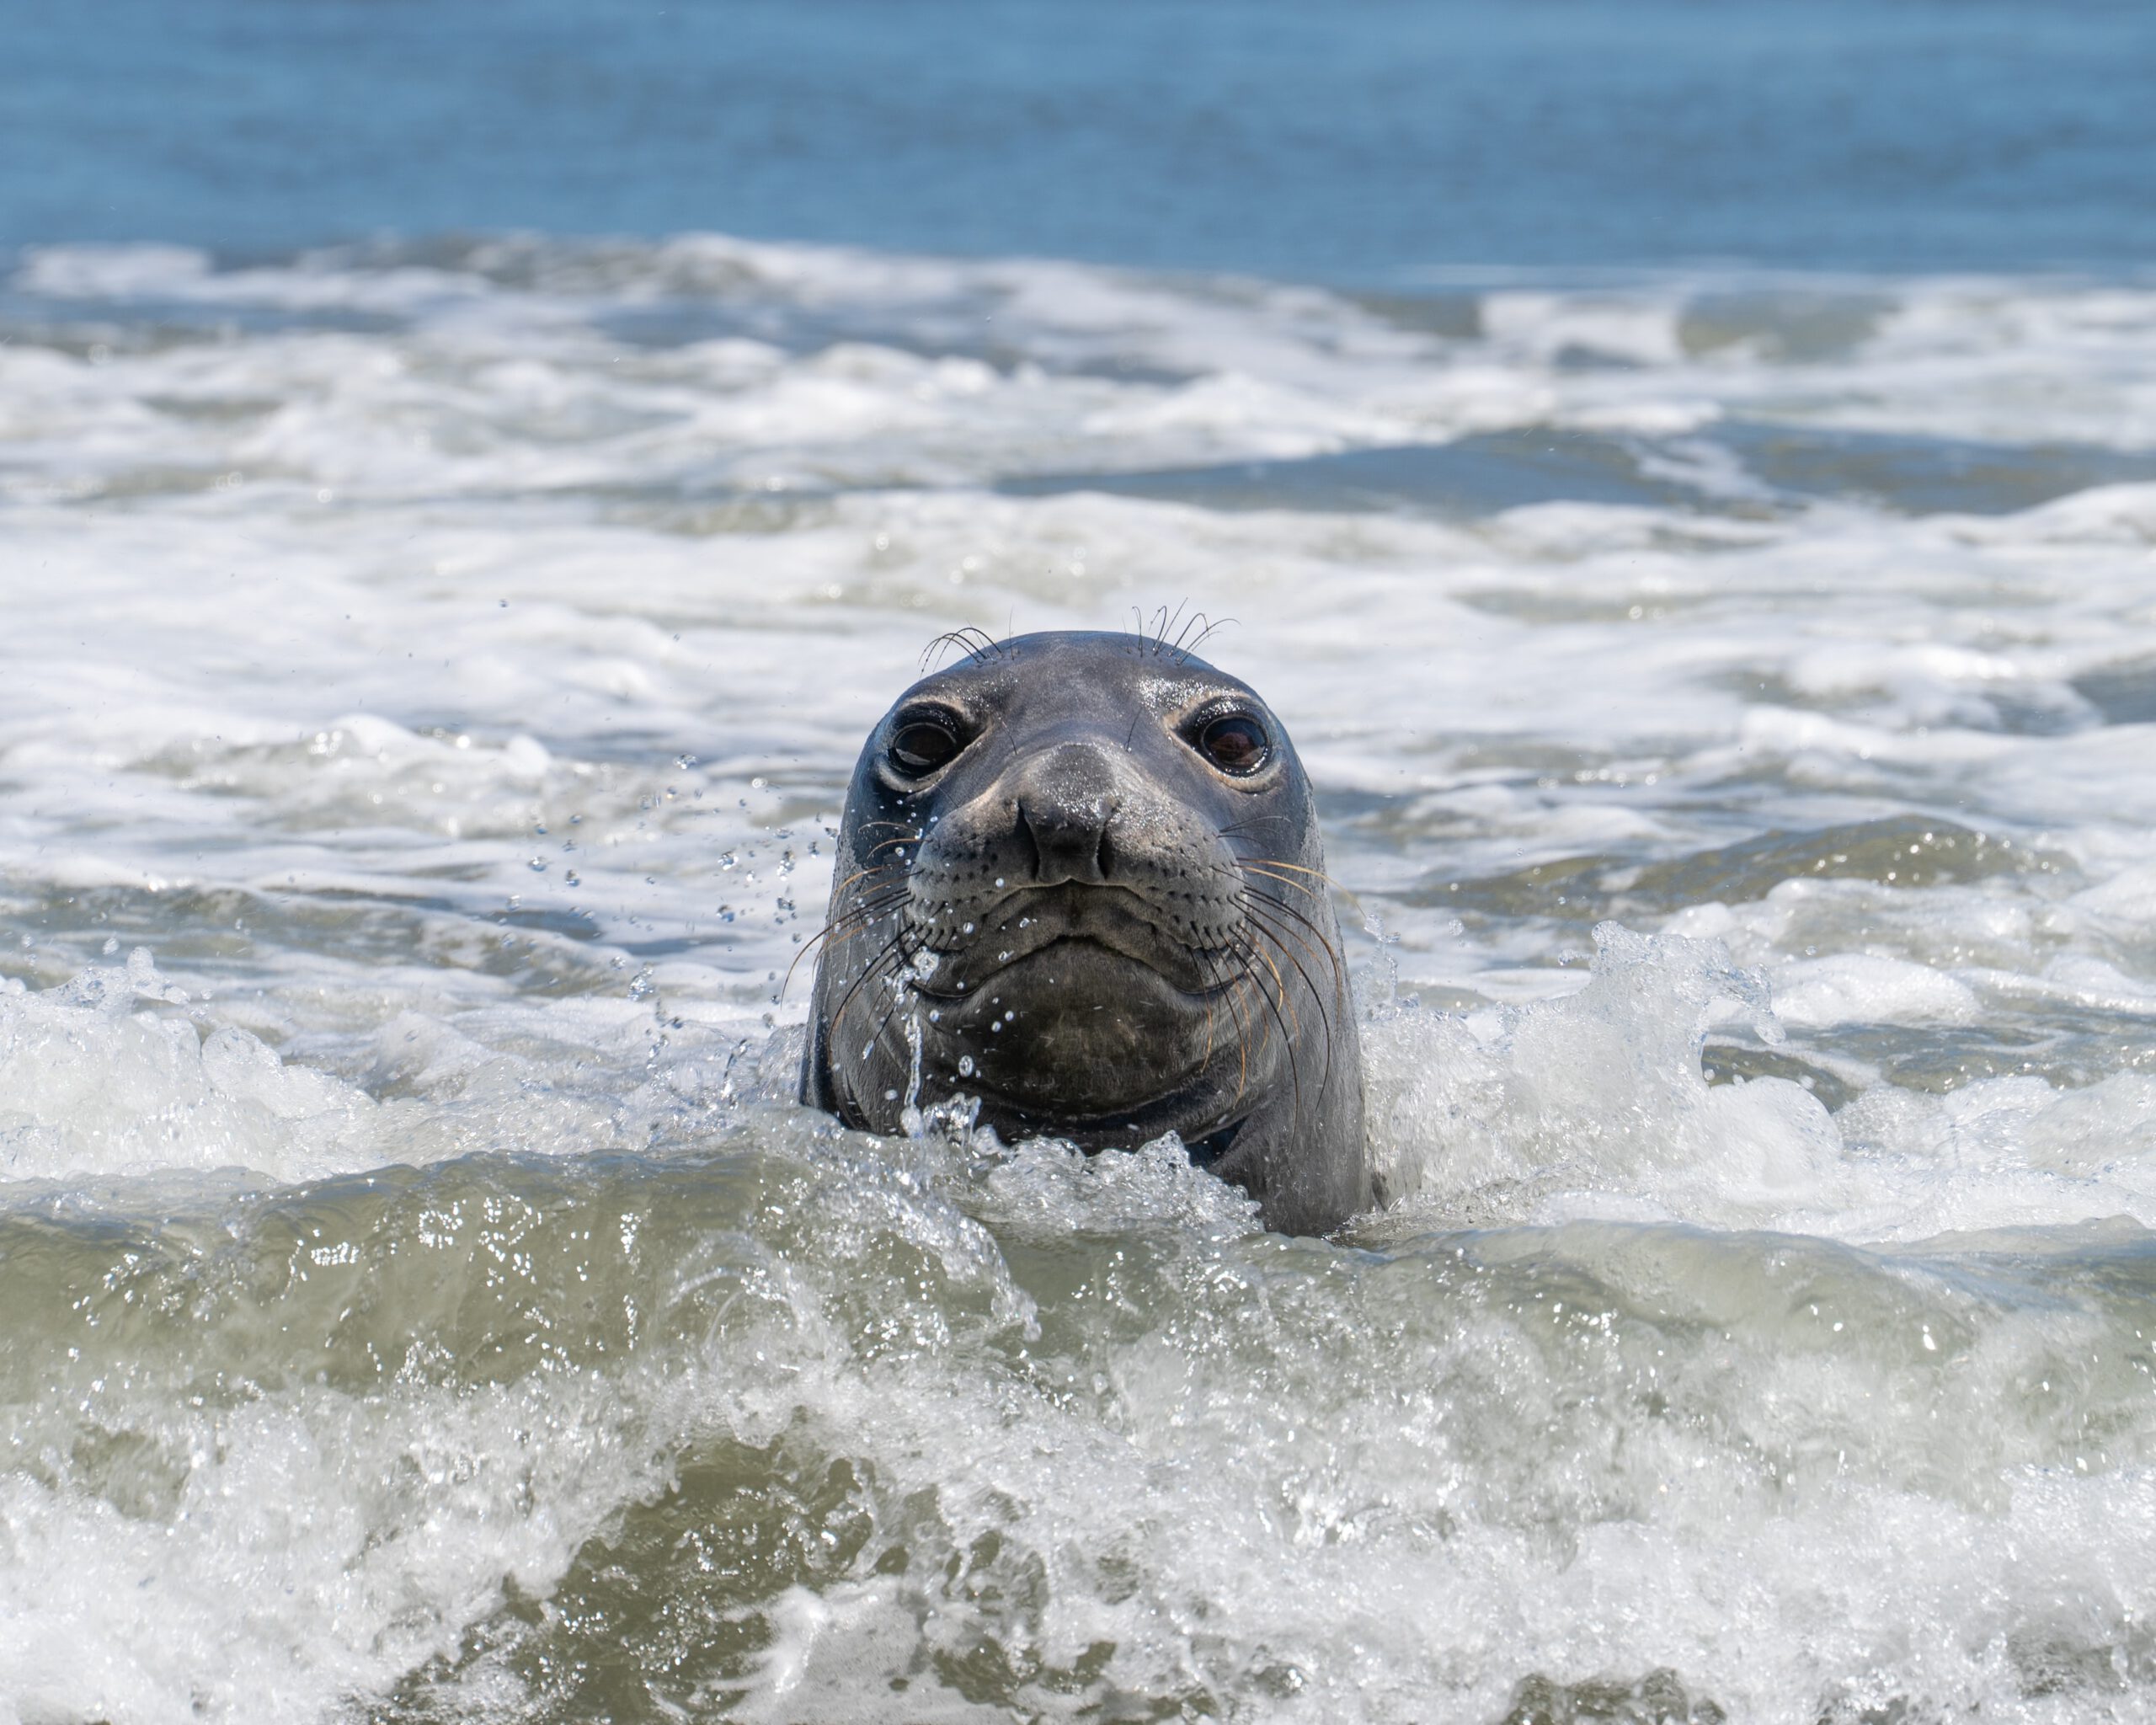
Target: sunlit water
x: 428, y: 679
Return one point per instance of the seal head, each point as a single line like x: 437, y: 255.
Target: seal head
x: 1080, y: 879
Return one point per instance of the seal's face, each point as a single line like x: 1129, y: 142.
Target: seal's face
x: 1081, y: 881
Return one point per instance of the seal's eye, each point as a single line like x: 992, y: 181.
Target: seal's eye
x: 1236, y: 744
x: 922, y: 742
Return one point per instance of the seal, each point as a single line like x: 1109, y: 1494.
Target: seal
x: 1080, y: 879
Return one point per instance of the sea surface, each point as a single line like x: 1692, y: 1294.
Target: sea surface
x: 430, y: 671
x: 1686, y: 475
x: 1342, y: 141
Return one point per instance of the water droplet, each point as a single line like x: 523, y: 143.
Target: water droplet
x: 965, y: 1065
x: 999, y: 880
x: 967, y: 929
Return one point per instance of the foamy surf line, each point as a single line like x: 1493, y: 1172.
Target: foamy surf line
x: 431, y: 672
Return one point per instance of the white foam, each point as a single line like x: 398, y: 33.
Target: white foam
x: 89, y: 1086
x: 455, y: 704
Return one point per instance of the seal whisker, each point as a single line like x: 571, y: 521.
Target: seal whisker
x: 1206, y: 1059
x: 1279, y: 934
x: 1183, y: 652
x: 1317, y: 998
x: 1292, y: 869
x: 873, y: 905
x: 1260, y: 870
x: 1236, y: 826
x: 893, y: 949
x: 1254, y: 900
x: 1261, y: 908
x: 863, y: 874
x: 1154, y: 639
x: 1276, y: 907
x: 1251, y: 949
x: 1297, y: 868
x: 1227, y: 989
x: 1288, y: 1028
x: 1244, y: 953
x: 1245, y: 872
x: 977, y: 644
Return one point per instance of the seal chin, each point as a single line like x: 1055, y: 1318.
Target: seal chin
x: 1075, y: 1027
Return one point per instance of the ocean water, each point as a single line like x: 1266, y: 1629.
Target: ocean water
x: 428, y: 676
x: 1352, y: 140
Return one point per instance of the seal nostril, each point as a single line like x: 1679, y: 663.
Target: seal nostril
x: 1032, y: 839
x: 1068, y: 838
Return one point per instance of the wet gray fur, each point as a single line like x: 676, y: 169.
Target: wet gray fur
x: 1091, y: 927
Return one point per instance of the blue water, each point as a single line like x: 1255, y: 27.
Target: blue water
x: 1358, y: 139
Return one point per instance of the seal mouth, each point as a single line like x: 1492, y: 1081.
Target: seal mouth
x: 1108, y: 918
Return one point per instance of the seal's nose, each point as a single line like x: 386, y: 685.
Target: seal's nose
x: 1065, y: 799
